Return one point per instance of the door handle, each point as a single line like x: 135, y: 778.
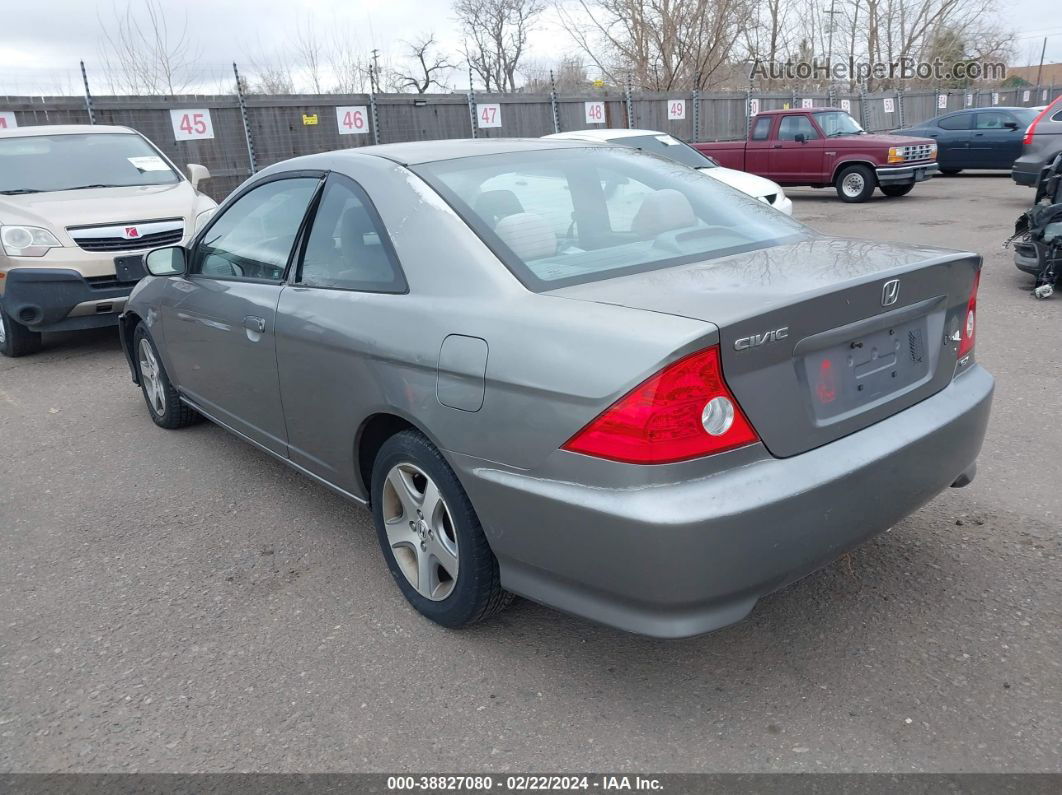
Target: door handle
x: 776, y: 146
x: 253, y: 323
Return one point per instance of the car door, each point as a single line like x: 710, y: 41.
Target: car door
x: 797, y: 151
x: 952, y: 134
x: 342, y: 292
x: 996, y: 141
x: 758, y: 148
x: 220, y: 332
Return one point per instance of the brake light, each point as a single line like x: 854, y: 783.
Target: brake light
x: 1031, y: 130
x: 969, y: 322
x: 684, y: 411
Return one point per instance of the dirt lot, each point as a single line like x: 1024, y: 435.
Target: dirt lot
x: 179, y: 601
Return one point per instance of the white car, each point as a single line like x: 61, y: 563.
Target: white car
x: 669, y: 146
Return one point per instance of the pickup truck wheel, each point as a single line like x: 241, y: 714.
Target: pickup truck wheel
x: 16, y: 339
x: 855, y: 184
x: 897, y: 190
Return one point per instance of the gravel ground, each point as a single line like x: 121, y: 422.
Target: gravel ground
x: 182, y: 602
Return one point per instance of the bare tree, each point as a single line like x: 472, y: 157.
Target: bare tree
x: 348, y: 63
x: 427, y: 65
x: 142, y: 54
x: 496, y: 33
x: 308, y: 54
x: 660, y: 44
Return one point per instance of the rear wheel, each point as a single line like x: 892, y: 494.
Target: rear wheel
x: 163, y: 402
x: 897, y: 190
x: 430, y: 535
x: 855, y: 184
x: 16, y: 339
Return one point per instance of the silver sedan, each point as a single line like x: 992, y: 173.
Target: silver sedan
x: 582, y: 374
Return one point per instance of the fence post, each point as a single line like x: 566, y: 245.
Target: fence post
x: 553, y: 102
x: 471, y: 102
x: 630, y: 104
x: 373, y: 113
x: 246, y: 124
x: 899, y: 106
x: 696, y: 114
x: 88, y: 95
x: 862, y: 107
x: 748, y: 111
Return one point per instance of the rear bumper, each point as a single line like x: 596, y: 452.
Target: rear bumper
x: 58, y: 299
x: 685, y: 558
x: 1025, y: 258
x: 903, y: 175
x: 1027, y: 169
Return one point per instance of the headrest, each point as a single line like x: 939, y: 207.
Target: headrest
x: 493, y: 205
x: 528, y: 235
x: 662, y: 211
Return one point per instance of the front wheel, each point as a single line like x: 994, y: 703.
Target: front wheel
x: 430, y: 535
x: 897, y: 190
x: 163, y: 402
x: 855, y: 184
x: 16, y: 339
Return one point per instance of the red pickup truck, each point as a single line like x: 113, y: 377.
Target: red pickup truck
x: 825, y: 146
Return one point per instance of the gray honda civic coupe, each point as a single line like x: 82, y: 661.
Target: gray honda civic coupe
x: 578, y: 373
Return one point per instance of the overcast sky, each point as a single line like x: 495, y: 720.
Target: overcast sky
x: 40, y: 45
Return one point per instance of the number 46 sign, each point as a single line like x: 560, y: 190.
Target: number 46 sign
x: 191, y: 124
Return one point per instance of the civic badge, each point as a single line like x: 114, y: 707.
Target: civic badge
x: 890, y: 292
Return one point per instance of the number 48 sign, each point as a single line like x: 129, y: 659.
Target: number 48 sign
x: 191, y: 125
x: 595, y: 112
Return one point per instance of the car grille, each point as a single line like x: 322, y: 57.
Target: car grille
x: 918, y: 151
x: 129, y: 236
x: 106, y: 282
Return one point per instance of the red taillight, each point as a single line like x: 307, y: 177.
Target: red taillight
x: 1030, y: 131
x: 969, y: 321
x: 684, y: 411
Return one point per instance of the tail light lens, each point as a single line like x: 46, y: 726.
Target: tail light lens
x: 969, y: 321
x: 684, y: 411
x: 1031, y: 130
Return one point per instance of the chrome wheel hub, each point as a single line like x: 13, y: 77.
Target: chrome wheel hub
x: 3, y: 330
x: 853, y: 185
x: 420, y: 531
x: 151, y: 378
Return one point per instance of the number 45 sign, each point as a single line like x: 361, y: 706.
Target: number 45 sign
x: 192, y: 124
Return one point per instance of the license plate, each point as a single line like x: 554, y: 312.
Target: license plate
x: 850, y: 376
x: 130, y: 268
x: 920, y: 174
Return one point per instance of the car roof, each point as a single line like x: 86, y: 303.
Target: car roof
x: 417, y: 152
x: 62, y: 129
x: 815, y: 109
x: 990, y: 107
x: 602, y: 134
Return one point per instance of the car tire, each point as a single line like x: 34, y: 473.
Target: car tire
x: 950, y: 172
x: 16, y: 339
x: 897, y: 190
x: 430, y: 535
x: 165, y: 406
x: 855, y: 184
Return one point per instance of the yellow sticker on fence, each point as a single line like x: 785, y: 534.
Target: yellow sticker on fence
x: 308, y: 118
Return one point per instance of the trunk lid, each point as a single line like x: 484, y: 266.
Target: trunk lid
x: 815, y: 341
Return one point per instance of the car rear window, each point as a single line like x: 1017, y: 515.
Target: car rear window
x: 666, y: 146
x: 559, y: 217
x: 38, y: 163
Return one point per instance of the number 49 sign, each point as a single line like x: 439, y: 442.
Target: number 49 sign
x: 676, y: 109
x: 191, y: 124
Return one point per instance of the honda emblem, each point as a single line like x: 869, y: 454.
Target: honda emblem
x: 890, y: 292
x: 131, y: 232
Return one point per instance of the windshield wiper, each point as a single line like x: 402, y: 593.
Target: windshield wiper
x: 17, y: 191
x: 86, y: 187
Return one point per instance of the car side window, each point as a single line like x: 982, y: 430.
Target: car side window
x: 960, y: 121
x: 792, y: 126
x: 252, y: 239
x: 348, y: 247
x: 993, y: 120
x: 762, y: 130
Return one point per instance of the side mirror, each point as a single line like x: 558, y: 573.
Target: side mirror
x: 1010, y: 125
x: 800, y: 138
x: 197, y: 174
x: 169, y: 261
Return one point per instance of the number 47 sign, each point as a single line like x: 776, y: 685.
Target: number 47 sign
x: 191, y: 124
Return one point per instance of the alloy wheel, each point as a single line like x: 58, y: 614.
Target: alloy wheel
x: 420, y: 531
x: 3, y: 330
x: 151, y: 377
x: 853, y: 185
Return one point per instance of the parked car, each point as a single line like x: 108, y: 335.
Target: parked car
x: 79, y: 206
x: 820, y: 147
x: 1040, y: 146
x: 649, y: 406
x: 665, y: 145
x: 975, y: 137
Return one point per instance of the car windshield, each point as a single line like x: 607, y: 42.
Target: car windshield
x: 566, y: 216
x: 39, y: 163
x: 667, y: 146
x: 837, y: 122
